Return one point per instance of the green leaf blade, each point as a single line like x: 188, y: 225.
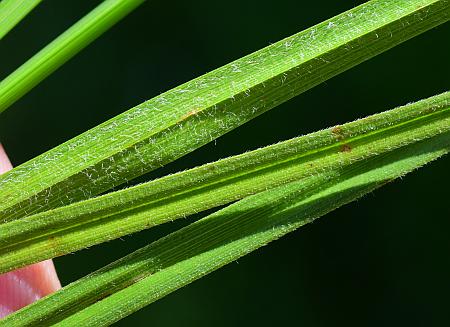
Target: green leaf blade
x: 86, y: 223
x: 206, y: 245
x: 187, y: 117
x: 12, y: 12
x: 247, y: 226
x: 63, y: 48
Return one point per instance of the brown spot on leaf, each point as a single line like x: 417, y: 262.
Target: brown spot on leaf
x: 346, y: 148
x: 337, y: 133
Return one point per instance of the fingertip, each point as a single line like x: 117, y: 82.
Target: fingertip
x: 5, y: 164
x: 23, y: 286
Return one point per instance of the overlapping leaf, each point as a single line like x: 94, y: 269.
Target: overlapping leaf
x: 185, y: 118
x: 188, y: 254
x: 278, y: 188
x: 67, y: 229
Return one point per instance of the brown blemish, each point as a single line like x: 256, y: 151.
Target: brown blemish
x: 346, y: 148
x: 337, y: 133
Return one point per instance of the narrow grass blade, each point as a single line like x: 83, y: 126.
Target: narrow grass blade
x: 67, y: 229
x: 12, y: 12
x: 206, y: 245
x: 187, y: 117
x: 62, y: 48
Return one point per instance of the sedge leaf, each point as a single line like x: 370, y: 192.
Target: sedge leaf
x: 154, y: 271
x: 70, y: 228
x: 187, y: 117
x: 12, y: 12
x: 63, y: 48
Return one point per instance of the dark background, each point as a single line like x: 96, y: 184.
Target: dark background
x: 383, y: 260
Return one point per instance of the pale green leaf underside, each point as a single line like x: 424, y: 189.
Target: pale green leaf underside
x: 79, y: 225
x: 187, y: 117
x: 198, y: 249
